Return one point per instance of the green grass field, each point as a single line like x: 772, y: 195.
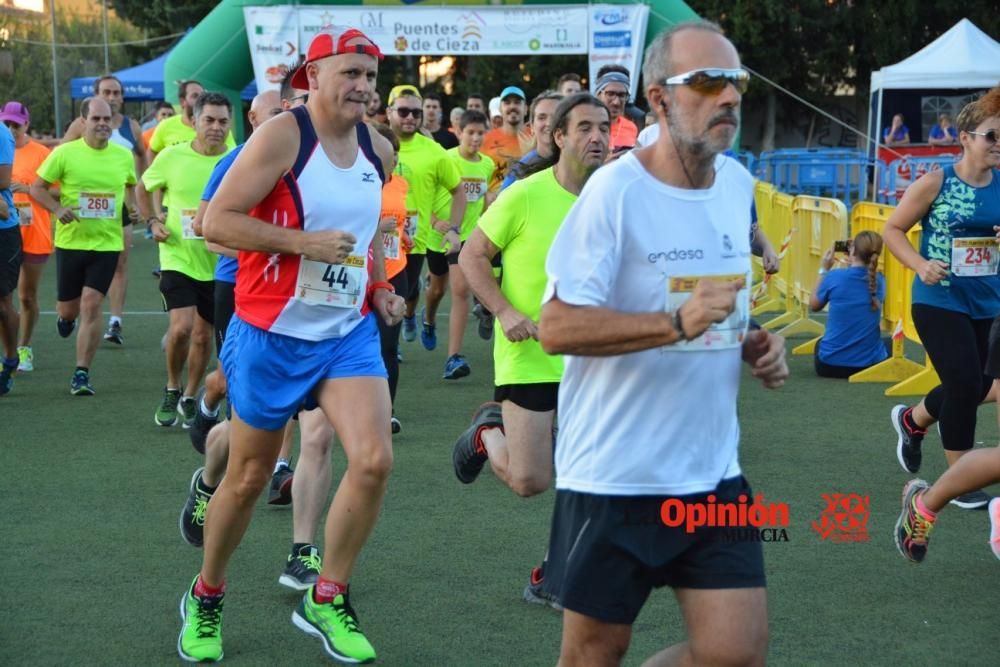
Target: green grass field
x: 94, y: 567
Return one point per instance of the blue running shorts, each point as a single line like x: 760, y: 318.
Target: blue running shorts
x: 271, y: 376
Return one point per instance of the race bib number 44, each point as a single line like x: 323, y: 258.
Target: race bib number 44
x: 721, y: 336
x: 97, y: 205
x: 335, y: 285
x: 972, y: 257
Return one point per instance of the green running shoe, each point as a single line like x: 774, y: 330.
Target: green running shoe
x: 187, y: 409
x: 166, y: 414
x: 200, y: 639
x: 337, y: 625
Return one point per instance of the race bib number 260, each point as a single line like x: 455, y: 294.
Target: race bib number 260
x: 334, y: 285
x: 97, y: 205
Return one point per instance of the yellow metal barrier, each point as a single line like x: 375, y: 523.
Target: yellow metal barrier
x: 809, y: 226
x: 766, y: 297
x: 910, y: 378
x: 779, y: 295
x: 817, y: 223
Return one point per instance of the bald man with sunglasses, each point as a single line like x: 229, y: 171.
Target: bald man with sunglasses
x: 654, y: 328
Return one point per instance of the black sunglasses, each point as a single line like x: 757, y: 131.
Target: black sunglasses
x: 991, y: 136
x: 405, y: 112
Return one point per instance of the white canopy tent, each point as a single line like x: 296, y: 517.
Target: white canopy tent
x: 965, y: 57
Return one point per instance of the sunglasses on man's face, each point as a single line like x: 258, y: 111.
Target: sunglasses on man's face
x: 991, y: 136
x: 11, y: 125
x: 405, y: 112
x: 711, y: 81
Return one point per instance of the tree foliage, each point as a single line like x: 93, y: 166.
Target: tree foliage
x: 163, y: 17
x: 30, y: 46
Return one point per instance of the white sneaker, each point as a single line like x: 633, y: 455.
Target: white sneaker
x: 25, y: 360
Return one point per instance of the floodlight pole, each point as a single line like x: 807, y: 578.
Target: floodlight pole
x: 104, y: 16
x: 55, y: 71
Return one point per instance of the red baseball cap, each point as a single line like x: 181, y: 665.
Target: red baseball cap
x: 333, y: 43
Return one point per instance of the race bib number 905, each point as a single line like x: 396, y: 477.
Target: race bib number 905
x: 972, y: 257
x: 720, y: 336
x: 97, y: 205
x: 474, y: 189
x: 335, y: 285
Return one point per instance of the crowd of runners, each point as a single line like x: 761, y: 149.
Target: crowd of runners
x: 608, y: 261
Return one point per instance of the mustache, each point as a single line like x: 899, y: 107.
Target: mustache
x: 724, y: 117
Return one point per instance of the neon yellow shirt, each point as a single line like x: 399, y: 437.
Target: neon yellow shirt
x: 476, y: 181
x: 173, y: 130
x: 92, y: 182
x: 183, y: 172
x: 522, y: 222
x: 426, y: 167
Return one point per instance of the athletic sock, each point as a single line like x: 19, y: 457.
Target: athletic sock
x: 115, y: 320
x: 327, y: 589
x: 282, y: 463
x: 911, y: 425
x: 205, y: 411
x: 927, y: 514
x: 11, y: 362
x: 203, y: 590
x: 298, y: 547
x: 205, y: 488
x: 83, y: 368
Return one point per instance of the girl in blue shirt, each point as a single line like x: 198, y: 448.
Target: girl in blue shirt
x: 852, y: 341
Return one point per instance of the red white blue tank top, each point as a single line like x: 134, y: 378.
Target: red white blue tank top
x: 293, y: 296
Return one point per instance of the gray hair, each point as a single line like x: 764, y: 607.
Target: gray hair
x: 215, y: 99
x: 656, y: 66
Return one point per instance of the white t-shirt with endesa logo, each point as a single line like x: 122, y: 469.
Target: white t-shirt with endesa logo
x: 661, y: 421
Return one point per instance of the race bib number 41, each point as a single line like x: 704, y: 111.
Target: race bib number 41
x: 720, y: 336
x: 97, y: 205
x: 972, y: 257
x: 335, y: 285
x: 391, y: 249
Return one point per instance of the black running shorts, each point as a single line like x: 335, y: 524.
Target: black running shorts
x: 10, y: 259
x: 607, y: 553
x: 539, y: 397
x: 76, y: 269
x: 180, y: 290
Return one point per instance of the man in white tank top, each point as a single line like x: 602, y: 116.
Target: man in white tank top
x: 647, y: 298
x: 125, y: 132
x: 301, y: 203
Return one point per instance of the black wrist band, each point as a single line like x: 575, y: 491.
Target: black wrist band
x: 679, y: 325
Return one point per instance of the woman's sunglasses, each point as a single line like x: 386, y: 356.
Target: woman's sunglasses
x: 991, y: 136
x: 712, y: 81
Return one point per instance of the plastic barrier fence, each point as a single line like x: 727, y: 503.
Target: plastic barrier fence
x: 803, y: 228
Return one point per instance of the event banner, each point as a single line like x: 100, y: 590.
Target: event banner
x: 273, y: 33
x: 617, y: 37
x: 616, y: 33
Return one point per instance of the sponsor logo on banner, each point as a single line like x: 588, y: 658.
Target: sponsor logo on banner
x: 614, y: 16
x: 463, y: 36
x: 613, y: 39
x: 527, y: 20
